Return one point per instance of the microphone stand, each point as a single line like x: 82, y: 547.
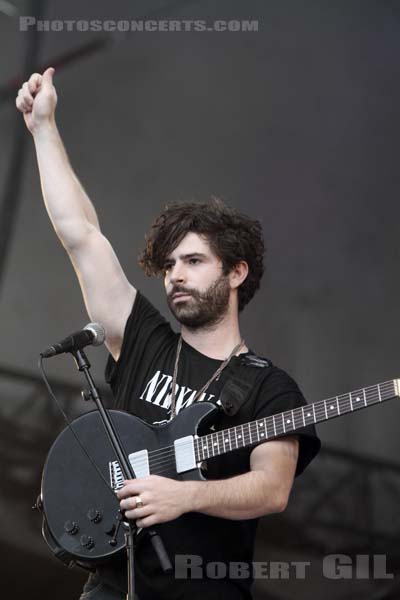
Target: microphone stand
x: 83, y: 365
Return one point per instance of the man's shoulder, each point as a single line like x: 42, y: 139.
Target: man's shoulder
x: 263, y: 375
x: 265, y: 365
x: 144, y: 312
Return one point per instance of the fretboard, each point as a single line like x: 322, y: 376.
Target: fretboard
x: 285, y: 423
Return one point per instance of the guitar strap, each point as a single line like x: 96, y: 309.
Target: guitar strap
x: 242, y: 374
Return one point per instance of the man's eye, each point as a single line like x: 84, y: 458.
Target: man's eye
x: 194, y: 261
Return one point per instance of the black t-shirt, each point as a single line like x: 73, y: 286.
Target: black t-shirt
x: 141, y: 381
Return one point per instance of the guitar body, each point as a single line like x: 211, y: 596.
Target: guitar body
x: 82, y: 521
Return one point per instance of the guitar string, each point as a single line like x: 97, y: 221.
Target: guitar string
x: 372, y: 399
x: 319, y: 407
x: 169, y: 452
x: 164, y: 453
x: 298, y: 415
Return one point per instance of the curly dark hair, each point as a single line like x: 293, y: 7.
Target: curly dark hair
x: 232, y: 236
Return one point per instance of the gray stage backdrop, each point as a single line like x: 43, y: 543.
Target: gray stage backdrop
x: 296, y: 124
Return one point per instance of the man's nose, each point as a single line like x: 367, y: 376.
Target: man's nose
x: 177, y: 274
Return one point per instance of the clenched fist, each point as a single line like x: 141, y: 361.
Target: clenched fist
x: 37, y: 99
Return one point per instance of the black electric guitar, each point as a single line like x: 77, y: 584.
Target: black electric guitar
x: 82, y: 521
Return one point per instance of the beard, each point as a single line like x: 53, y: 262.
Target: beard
x: 203, y: 309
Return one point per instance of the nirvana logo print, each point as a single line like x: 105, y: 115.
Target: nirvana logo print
x: 158, y: 392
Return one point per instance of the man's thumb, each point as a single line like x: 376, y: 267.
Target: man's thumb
x: 48, y: 76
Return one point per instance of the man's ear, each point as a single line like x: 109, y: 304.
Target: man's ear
x: 238, y: 274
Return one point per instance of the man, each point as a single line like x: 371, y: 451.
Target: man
x: 212, y: 261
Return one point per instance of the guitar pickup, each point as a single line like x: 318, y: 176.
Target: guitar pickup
x: 184, y: 454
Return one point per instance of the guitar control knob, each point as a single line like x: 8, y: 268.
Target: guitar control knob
x: 87, y: 541
x: 94, y: 515
x: 71, y: 527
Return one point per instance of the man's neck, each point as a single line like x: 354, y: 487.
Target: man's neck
x: 217, y: 341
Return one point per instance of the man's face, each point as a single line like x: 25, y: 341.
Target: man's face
x: 198, y: 292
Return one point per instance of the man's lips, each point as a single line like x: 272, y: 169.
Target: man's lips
x: 181, y: 296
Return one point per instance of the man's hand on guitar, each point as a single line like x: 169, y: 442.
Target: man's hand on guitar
x: 154, y: 499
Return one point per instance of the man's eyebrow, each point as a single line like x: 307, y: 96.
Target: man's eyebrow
x: 188, y: 256
x: 193, y: 255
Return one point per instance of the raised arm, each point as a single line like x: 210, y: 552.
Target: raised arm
x: 107, y: 293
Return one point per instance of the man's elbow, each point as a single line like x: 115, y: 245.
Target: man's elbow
x: 281, y: 503
x: 274, y: 505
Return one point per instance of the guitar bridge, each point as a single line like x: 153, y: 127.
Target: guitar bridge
x: 116, y: 476
x: 139, y: 463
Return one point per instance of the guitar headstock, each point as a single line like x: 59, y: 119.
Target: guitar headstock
x: 397, y: 386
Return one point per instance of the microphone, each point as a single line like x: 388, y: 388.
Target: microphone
x: 92, y: 334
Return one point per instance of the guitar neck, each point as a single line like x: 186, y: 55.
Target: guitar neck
x: 288, y: 422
